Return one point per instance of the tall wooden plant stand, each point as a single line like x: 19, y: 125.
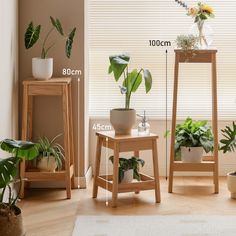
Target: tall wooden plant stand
x: 209, y: 163
x: 53, y: 87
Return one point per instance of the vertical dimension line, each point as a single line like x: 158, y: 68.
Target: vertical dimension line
x: 107, y: 160
x: 166, y: 113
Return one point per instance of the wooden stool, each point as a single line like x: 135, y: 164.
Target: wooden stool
x: 209, y: 163
x: 125, y: 143
x: 52, y: 87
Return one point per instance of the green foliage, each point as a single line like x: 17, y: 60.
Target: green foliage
x: 132, y: 80
x: 229, y: 140
x: 127, y: 164
x: 49, y: 148
x: 193, y: 134
x: 32, y: 35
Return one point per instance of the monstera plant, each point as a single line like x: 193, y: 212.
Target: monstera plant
x: 42, y: 67
x: 10, y: 214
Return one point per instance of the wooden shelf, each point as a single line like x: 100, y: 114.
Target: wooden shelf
x: 205, y: 166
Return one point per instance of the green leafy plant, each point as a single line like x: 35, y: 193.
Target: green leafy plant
x: 127, y: 164
x: 131, y: 80
x: 187, y: 42
x: 8, y: 168
x: 193, y: 134
x: 229, y: 140
x: 32, y: 35
x: 49, y: 148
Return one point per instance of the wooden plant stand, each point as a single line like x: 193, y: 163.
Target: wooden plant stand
x: 52, y: 87
x: 209, y: 163
x: 125, y: 143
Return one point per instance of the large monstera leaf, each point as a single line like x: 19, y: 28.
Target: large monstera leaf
x: 69, y: 42
x: 8, y: 170
x: 32, y: 35
x: 229, y: 140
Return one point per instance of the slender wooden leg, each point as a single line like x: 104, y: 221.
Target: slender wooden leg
x: 72, y: 150
x: 24, y: 135
x: 174, y: 109
x: 214, y: 122
x: 97, y: 166
x: 156, y: 170
x: 136, y: 154
x: 66, y: 120
x: 115, y: 175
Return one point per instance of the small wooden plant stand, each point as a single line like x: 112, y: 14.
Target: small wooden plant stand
x: 52, y: 87
x: 209, y: 163
x: 125, y: 143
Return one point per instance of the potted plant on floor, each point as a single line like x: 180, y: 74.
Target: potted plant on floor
x: 51, y: 154
x: 123, y: 119
x: 191, y: 138
x: 229, y: 145
x: 10, y: 215
x: 129, y: 169
x: 42, y: 67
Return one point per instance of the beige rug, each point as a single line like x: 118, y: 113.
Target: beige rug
x: 176, y: 225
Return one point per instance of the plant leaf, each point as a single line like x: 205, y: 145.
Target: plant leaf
x: 148, y: 80
x: 69, y: 42
x: 57, y: 24
x: 32, y: 35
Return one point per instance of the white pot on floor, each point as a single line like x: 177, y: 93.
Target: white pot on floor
x: 42, y: 69
x: 231, y: 183
x: 191, y: 154
x: 47, y: 164
x: 128, y: 176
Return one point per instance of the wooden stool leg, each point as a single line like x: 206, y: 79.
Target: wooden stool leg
x: 136, y: 154
x: 115, y: 175
x: 174, y: 109
x: 97, y: 166
x: 156, y: 171
x: 66, y: 121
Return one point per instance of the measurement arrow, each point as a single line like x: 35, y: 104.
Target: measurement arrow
x: 166, y: 108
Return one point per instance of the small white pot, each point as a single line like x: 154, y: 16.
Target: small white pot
x: 42, y: 69
x: 47, y: 164
x: 191, y: 154
x: 231, y: 183
x: 123, y: 120
x: 128, y: 176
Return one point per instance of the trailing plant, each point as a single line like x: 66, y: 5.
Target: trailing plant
x: 127, y: 164
x: 131, y: 79
x: 193, y: 134
x: 49, y: 148
x: 187, y: 42
x: 19, y: 150
x: 32, y: 35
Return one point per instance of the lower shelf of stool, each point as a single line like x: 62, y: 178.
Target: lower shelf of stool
x: 35, y: 175
x: 204, y: 166
x: 146, y: 183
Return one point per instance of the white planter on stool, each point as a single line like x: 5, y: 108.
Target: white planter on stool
x: 191, y: 154
x: 42, y: 68
x: 128, y: 176
x: 231, y: 183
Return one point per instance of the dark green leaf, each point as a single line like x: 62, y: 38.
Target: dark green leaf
x: 69, y: 42
x: 31, y: 35
x: 57, y: 24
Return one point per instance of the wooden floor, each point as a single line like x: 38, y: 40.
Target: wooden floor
x: 46, y: 212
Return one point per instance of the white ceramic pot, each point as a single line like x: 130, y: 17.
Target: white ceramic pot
x: 47, y: 164
x: 231, y: 183
x: 122, y: 120
x: 42, y: 69
x: 128, y: 176
x: 191, y: 154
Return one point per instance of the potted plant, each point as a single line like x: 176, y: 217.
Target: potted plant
x: 42, y: 67
x: 123, y: 119
x: 51, y: 154
x: 10, y: 215
x: 192, y: 137
x: 229, y: 145
x: 129, y: 169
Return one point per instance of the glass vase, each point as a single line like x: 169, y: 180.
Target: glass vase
x: 204, y: 33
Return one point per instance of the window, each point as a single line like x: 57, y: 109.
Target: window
x: 128, y: 25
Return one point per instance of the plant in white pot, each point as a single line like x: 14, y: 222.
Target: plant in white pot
x: 42, y: 67
x: 229, y: 145
x: 51, y: 154
x: 123, y: 119
x: 10, y: 215
x: 129, y: 169
x: 191, y: 139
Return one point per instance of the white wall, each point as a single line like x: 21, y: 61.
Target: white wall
x: 8, y: 69
x: 227, y: 162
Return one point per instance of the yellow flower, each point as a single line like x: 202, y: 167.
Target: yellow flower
x: 208, y: 9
